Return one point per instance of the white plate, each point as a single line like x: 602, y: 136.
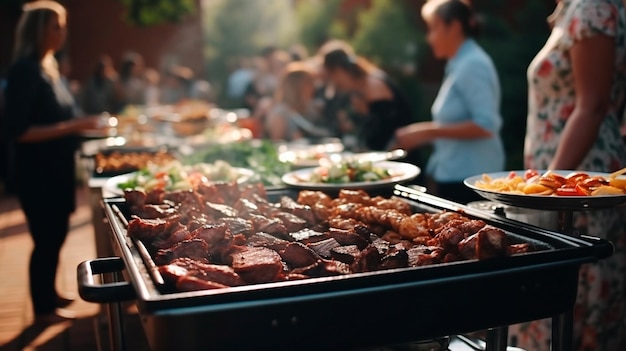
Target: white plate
x: 110, y: 187
x: 545, y: 202
x: 400, y: 172
x: 302, y: 159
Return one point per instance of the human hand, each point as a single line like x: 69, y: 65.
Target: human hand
x: 413, y: 136
x: 88, y: 123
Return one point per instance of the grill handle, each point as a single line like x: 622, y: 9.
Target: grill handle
x: 91, y: 291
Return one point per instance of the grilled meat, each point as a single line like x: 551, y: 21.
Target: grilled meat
x: 298, y: 255
x: 196, y: 249
x: 221, y: 235
x: 186, y: 267
x: 324, y: 247
x: 257, y: 264
x: 150, y: 229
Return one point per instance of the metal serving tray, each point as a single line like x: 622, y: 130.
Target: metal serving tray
x: 357, y: 310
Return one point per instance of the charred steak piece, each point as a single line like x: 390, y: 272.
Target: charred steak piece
x: 272, y: 226
x: 135, y: 198
x: 194, y: 248
x: 237, y: 225
x: 221, y: 274
x: 303, y: 211
x: 185, y: 198
x: 149, y: 229
x: 218, y: 239
x: 154, y: 211
x: 423, y: 255
x: 298, y: 255
x: 291, y: 222
x: 489, y: 242
x: 346, y: 254
x: 368, y: 261
x: 257, y: 264
x: 229, y: 191
x: 307, y: 236
x: 395, y: 259
x: 267, y: 240
x: 492, y: 242
x: 246, y: 207
x: 323, y: 247
x: 345, y: 237
x: 189, y: 283
x: 216, y: 211
x: 180, y: 233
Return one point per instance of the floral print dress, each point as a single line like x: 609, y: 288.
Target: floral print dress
x: 600, y: 311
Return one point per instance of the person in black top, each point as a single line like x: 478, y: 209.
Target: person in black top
x: 40, y: 125
x: 380, y: 106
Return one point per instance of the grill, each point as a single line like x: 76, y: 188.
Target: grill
x: 357, y: 310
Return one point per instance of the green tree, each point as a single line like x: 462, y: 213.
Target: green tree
x: 387, y: 35
x: 318, y: 21
x: 241, y: 28
x: 151, y: 12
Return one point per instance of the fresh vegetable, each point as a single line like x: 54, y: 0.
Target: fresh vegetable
x: 349, y: 172
x: 259, y: 155
x: 176, y: 176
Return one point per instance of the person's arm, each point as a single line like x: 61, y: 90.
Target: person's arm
x: 276, y: 125
x: 418, y: 134
x: 36, y: 134
x: 479, y: 93
x: 592, y: 65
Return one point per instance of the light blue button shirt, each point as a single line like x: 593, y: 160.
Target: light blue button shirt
x: 470, y: 92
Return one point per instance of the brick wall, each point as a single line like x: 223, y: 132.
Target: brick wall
x: 97, y: 27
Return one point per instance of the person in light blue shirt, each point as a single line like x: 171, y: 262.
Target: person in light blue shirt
x: 466, y: 118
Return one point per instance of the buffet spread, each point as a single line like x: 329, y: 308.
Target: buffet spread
x: 310, y: 247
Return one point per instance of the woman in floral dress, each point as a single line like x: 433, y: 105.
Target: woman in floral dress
x: 577, y: 88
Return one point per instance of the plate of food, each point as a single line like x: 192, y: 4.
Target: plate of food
x: 555, y: 190
x: 356, y: 174
x: 312, y: 158
x: 176, y: 176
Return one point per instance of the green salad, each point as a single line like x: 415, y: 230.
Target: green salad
x: 261, y: 156
x: 349, y: 172
x: 176, y: 176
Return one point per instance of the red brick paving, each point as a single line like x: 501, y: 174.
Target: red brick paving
x: 17, y: 331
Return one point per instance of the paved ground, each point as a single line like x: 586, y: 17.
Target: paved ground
x: 17, y: 331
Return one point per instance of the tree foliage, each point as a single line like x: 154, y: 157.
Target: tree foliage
x: 241, y: 28
x: 317, y: 22
x: 386, y: 35
x: 152, y: 12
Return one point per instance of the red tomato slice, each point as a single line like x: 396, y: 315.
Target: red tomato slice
x: 530, y: 173
x: 511, y: 175
x: 575, y: 191
x: 161, y: 174
x: 594, y: 182
x: 576, y: 177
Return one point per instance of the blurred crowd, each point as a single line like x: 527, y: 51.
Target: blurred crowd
x: 110, y: 89
x: 331, y: 93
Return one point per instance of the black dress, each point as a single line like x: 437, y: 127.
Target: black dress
x: 377, y: 129
x: 44, y: 171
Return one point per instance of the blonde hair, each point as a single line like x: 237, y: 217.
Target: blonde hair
x: 30, y: 32
x: 289, y: 91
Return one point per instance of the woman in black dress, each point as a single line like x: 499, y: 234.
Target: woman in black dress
x: 379, y: 107
x: 40, y: 125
